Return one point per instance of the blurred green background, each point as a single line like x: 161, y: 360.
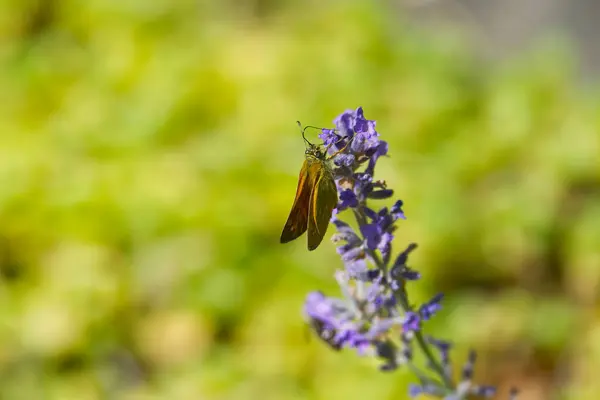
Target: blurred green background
x: 148, y: 161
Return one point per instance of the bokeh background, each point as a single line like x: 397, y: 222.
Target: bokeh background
x: 149, y: 157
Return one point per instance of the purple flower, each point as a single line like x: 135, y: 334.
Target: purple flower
x: 385, y: 246
x: 467, y: 372
x: 414, y: 390
x: 400, y: 272
x: 345, y: 122
x: 373, y: 232
x: 417, y: 390
x: 344, y: 228
x: 351, y: 254
x: 395, y: 284
x: 335, y: 320
x: 381, y: 327
x: 410, y: 275
x: 484, y: 391
x: 366, y: 137
x: 381, y: 194
x: 362, y: 124
x: 386, y: 236
x: 344, y: 160
x: 412, y: 322
x: 374, y: 295
x: 345, y: 233
x: 353, y: 128
x: 347, y: 199
x: 396, y: 210
x: 322, y: 317
x: 375, y: 315
x: 329, y: 137
x: 378, y: 234
x: 373, y: 235
x: 350, y: 337
x: 365, y: 141
x: 363, y: 186
x: 403, y: 257
x: 443, y: 347
x: 379, y: 151
x: 319, y: 307
x: 428, y: 309
x: 357, y: 269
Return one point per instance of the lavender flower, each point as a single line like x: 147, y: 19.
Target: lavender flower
x: 374, y: 315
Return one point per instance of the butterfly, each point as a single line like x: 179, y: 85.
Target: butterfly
x: 316, y: 197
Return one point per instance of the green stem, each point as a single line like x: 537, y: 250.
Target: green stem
x: 402, y: 296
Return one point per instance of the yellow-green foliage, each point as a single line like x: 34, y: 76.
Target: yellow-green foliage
x: 149, y: 157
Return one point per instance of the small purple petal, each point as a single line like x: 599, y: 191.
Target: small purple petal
x: 396, y: 210
x: 317, y: 306
x: 385, y: 246
x: 372, y: 234
x: 329, y: 137
x: 350, y: 337
x: 378, y: 302
x: 386, y: 239
x: 385, y: 220
x: 348, y: 199
x: 374, y: 153
x: 411, y: 322
x: 374, y: 274
x: 357, y: 269
x: 381, y: 194
x: 443, y: 347
x: 414, y: 390
x: 382, y: 149
x: 484, y: 391
x: 334, y: 214
x: 358, y: 144
x: 403, y: 257
x: 370, y: 213
x: 374, y: 291
x: 410, y: 275
x: 343, y: 249
x: 366, y: 138
x: 352, y: 254
x: 345, y: 122
x: 343, y: 227
x: 429, y: 309
x: 390, y: 302
x: 363, y: 184
x: 344, y: 160
x: 386, y: 253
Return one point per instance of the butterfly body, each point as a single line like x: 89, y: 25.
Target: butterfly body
x: 316, y: 197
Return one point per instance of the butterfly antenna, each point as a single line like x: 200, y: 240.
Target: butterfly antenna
x: 302, y: 132
x: 305, y: 128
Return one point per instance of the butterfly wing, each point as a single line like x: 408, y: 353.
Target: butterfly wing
x: 323, y: 200
x: 297, y: 221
